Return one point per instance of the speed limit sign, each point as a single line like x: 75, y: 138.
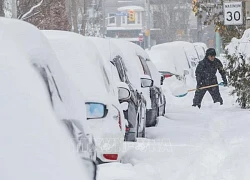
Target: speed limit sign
x: 233, y: 13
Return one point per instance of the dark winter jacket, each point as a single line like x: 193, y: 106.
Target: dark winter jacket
x: 206, y: 72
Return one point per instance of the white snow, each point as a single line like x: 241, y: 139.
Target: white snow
x: 177, y: 54
x: 211, y: 143
x: 32, y: 42
x: 34, y: 144
x: 135, y: 8
x: 164, y: 61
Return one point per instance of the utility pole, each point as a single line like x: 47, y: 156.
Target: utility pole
x: 149, y: 24
x: 103, y: 18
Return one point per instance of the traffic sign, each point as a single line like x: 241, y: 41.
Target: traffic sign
x: 140, y: 37
x: 121, y: 14
x: 233, y: 13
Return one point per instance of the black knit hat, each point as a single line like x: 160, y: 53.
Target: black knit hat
x: 210, y: 52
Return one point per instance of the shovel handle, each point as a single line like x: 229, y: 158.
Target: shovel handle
x: 205, y: 87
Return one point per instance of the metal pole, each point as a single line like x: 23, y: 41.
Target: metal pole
x: 218, y: 42
x: 149, y: 25
x: 104, y: 19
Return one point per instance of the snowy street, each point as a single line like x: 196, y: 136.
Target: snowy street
x: 124, y: 90
x: 189, y: 143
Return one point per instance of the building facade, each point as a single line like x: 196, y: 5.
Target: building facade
x: 129, y: 20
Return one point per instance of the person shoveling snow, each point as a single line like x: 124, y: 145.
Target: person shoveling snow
x: 206, y: 76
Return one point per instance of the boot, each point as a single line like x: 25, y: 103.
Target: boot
x: 198, y: 105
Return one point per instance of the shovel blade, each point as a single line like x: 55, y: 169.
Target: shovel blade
x: 179, y: 91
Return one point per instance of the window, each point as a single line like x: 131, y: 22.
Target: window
x: 50, y: 83
x: 123, y: 20
x: 106, y: 79
x: 111, y: 19
x: 120, y: 66
x: 44, y: 75
x: 145, y: 66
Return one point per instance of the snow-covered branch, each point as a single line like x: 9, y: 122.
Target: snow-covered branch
x: 31, y: 10
x: 27, y: 17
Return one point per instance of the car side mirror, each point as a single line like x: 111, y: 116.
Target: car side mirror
x: 146, y: 82
x: 90, y: 167
x: 95, y: 110
x: 123, y: 91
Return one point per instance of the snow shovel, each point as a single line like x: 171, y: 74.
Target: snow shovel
x: 205, y: 87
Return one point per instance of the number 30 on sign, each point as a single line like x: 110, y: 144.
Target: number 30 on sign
x: 233, y: 13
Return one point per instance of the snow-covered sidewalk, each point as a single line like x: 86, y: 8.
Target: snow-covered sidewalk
x: 211, y: 143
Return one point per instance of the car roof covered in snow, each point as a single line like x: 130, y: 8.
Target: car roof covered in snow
x: 177, y: 53
x: 163, y: 60
x: 82, y: 62
x: 35, y: 45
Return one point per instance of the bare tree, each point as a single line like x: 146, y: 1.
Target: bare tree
x: 166, y: 14
x: 45, y: 14
x: 93, y: 21
x: 84, y: 4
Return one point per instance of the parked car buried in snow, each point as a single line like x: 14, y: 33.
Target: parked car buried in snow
x: 34, y: 143
x: 66, y: 101
x: 135, y: 112
x: 82, y: 63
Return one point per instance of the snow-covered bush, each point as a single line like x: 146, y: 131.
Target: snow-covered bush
x: 238, y: 69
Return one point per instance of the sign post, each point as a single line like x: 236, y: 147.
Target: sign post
x: 233, y: 13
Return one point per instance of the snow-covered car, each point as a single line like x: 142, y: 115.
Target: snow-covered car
x: 34, y: 143
x: 160, y: 99
x: 130, y: 71
x: 134, y: 112
x: 177, y: 57
x: 164, y: 62
x: 83, y: 64
x: 190, y: 52
x: 136, y: 57
x: 66, y: 101
x: 157, y: 98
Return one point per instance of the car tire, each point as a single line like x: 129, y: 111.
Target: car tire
x: 152, y: 114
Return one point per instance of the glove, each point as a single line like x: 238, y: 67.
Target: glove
x: 225, y: 84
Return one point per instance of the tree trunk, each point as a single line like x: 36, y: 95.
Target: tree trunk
x: 84, y: 16
x: 74, y: 15
x: 2, y: 8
